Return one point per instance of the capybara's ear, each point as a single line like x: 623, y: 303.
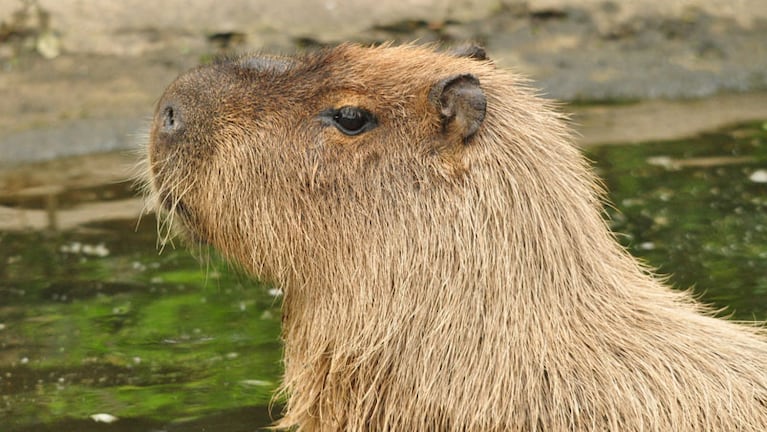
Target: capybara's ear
x: 461, y: 104
x: 471, y: 51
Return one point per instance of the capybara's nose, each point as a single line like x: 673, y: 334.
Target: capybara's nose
x: 171, y: 118
x: 188, y: 112
x: 170, y: 121
x: 171, y: 125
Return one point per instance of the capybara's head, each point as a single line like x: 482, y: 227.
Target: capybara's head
x: 273, y: 160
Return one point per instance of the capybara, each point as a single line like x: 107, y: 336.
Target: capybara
x: 442, y: 249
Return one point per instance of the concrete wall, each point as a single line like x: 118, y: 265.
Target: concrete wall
x: 134, y: 26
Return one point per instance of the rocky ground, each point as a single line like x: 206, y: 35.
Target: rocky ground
x: 79, y: 78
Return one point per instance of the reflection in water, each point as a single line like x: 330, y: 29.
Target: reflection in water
x: 93, y: 321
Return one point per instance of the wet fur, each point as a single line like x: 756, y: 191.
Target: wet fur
x: 432, y: 284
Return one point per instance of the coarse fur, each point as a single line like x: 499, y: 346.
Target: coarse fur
x: 436, y: 280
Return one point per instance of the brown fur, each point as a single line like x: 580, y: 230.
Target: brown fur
x: 435, y: 282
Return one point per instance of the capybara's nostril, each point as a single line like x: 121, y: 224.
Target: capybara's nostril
x: 171, y: 119
x: 170, y: 126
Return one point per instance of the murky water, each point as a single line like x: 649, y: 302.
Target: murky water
x: 94, y: 323
x: 697, y: 210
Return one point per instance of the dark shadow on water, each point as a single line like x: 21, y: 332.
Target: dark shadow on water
x: 71, y: 197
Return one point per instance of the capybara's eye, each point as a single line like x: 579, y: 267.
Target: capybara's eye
x: 351, y: 120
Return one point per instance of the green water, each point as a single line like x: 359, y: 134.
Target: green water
x: 98, y: 322
x: 94, y: 321
x: 696, y: 210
